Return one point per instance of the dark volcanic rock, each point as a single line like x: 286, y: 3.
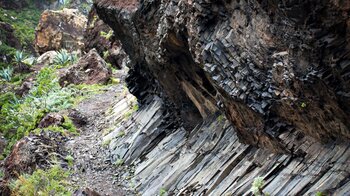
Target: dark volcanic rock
x: 271, y: 66
x: 91, y: 69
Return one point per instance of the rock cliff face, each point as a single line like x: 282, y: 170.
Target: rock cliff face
x: 279, y: 70
x: 273, y: 67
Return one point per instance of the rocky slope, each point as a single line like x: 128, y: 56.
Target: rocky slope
x: 279, y: 71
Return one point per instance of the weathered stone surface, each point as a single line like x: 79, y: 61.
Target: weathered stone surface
x: 91, y: 69
x: 47, y: 58
x: 78, y: 118
x: 25, y: 88
x: 277, y: 70
x: 100, y: 36
x: 51, y: 119
x: 253, y: 56
x: 33, y: 152
x: 211, y: 160
x: 60, y: 29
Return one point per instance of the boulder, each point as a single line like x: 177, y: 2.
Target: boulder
x: 47, y: 58
x: 91, y: 69
x: 78, y: 118
x: 60, y: 29
x: 100, y: 36
x: 25, y: 88
x: 33, y: 152
x: 51, y: 119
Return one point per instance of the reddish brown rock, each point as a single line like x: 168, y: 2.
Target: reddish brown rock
x: 32, y: 152
x: 60, y: 29
x: 91, y: 69
x: 51, y: 120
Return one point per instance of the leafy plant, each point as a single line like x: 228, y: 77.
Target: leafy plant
x: 50, y: 182
x: 30, y: 61
x: 62, y: 58
x: 106, y: 35
x: 64, y: 3
x: 162, y: 192
x: 6, y: 73
x: 257, y: 187
x: 24, y: 22
x: 69, y: 159
x: 119, y: 162
x: 18, y: 57
x: 319, y: 193
x: 19, y: 60
x: 20, y: 117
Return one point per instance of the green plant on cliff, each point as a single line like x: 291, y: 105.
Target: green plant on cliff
x: 257, y: 187
x: 53, y: 181
x: 106, y: 35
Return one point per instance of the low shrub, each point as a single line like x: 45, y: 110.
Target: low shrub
x: 50, y: 182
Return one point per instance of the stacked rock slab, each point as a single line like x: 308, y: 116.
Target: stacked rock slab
x: 272, y: 67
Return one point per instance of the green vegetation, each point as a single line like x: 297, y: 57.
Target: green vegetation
x: 163, y: 192
x: 24, y: 22
x: 319, y: 193
x: 70, y: 160
x: 50, y: 182
x: 303, y: 105
x: 257, y: 187
x: 119, y: 162
x: 105, y: 54
x: 65, y: 4
x: 63, y: 58
x: 6, y: 73
x: 19, y: 117
x: 106, y: 35
x: 18, y: 57
x: 220, y: 118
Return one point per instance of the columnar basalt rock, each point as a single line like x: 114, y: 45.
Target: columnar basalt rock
x: 273, y: 67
